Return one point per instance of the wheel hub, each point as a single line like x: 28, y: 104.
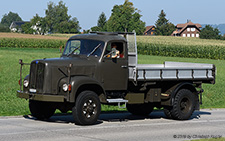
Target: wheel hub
x: 89, y: 108
x: 184, y: 105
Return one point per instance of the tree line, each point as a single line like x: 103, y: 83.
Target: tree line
x: 56, y: 20
x: 124, y: 18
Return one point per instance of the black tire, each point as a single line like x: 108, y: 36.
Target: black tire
x: 87, y: 108
x: 167, y: 112
x: 41, y: 110
x: 140, y: 109
x: 184, y: 105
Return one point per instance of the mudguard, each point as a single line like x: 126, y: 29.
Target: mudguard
x: 79, y: 81
x: 185, y: 85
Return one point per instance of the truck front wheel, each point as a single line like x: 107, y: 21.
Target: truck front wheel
x: 140, y: 109
x: 41, y: 110
x: 184, y: 105
x: 87, y: 108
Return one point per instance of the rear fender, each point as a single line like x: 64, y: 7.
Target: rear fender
x: 184, y: 85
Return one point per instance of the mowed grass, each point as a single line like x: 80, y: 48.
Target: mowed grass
x: 213, y: 96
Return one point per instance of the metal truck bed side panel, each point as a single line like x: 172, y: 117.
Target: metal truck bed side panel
x: 174, y: 71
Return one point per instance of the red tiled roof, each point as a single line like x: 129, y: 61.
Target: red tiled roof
x: 184, y: 26
x: 189, y: 23
x: 149, y: 28
x: 180, y: 25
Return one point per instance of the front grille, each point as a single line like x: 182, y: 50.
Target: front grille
x: 37, y: 76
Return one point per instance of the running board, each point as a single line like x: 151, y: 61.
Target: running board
x: 118, y: 100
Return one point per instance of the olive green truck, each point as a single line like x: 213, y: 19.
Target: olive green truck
x: 101, y: 68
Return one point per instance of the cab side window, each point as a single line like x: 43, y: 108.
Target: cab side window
x: 114, y: 50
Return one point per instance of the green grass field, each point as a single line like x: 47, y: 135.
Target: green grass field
x: 213, y: 97
x: 9, y: 68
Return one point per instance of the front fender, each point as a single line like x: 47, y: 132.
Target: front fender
x: 79, y: 81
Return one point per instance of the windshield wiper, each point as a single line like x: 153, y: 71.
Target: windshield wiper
x: 72, y: 51
x: 93, y: 51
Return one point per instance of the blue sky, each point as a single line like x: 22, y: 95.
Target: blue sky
x: 88, y: 11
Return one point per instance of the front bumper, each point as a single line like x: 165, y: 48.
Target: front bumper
x: 40, y: 97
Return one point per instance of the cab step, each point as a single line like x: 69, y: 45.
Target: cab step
x: 119, y: 101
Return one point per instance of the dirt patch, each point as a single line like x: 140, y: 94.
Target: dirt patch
x: 20, y: 35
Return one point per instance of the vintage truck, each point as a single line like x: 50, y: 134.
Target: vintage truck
x: 87, y: 75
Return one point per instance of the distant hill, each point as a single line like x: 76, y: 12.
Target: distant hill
x: 221, y: 27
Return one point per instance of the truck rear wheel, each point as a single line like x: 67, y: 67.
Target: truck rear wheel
x: 140, y: 109
x: 87, y: 108
x: 41, y: 110
x: 184, y: 105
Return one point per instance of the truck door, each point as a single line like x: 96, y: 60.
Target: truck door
x: 114, y: 66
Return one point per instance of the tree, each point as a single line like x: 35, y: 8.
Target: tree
x: 44, y: 27
x: 210, y: 33
x: 9, y: 18
x: 57, y: 19
x: 125, y: 18
x: 36, y: 24
x: 26, y: 28
x: 163, y: 26
x: 96, y: 28
x: 4, y: 28
x: 69, y: 26
x: 55, y: 14
x: 102, y: 22
x: 74, y: 25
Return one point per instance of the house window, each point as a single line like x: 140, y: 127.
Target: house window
x: 188, y: 29
x: 184, y: 35
x: 192, y: 29
x: 188, y: 35
x: 192, y: 35
x: 197, y: 35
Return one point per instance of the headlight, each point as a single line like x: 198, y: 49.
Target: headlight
x: 25, y: 83
x: 65, y: 87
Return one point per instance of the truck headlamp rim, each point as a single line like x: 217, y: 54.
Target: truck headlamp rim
x: 26, y: 83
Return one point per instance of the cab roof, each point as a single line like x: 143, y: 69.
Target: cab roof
x: 101, y: 36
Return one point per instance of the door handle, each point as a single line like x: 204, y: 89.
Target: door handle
x: 123, y: 66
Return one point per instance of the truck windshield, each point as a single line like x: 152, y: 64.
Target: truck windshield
x: 84, y: 47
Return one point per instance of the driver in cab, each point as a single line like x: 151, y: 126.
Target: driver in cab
x: 116, y: 53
